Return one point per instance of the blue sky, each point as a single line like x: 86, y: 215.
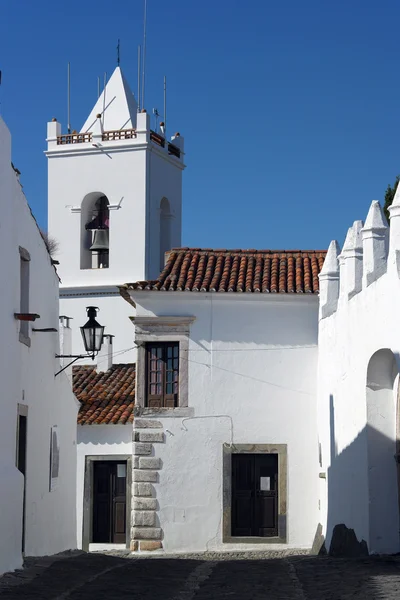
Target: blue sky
x: 290, y: 110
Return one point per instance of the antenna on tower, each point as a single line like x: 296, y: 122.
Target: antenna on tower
x: 144, y: 50
x: 138, y: 79
x: 156, y: 114
x: 69, y: 97
x: 165, y: 105
x: 104, y: 95
x: 118, y: 53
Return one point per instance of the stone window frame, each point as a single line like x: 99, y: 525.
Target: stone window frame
x: 162, y: 329
x: 281, y: 451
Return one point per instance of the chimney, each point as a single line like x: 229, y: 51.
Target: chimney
x: 105, y: 356
x: 329, y: 282
x: 65, y: 337
x: 375, y: 244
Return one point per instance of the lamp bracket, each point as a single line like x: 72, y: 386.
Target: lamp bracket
x: 75, y: 357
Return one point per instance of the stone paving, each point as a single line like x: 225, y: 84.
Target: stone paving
x: 253, y: 576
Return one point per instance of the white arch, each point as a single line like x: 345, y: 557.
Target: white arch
x: 87, y: 212
x: 381, y: 448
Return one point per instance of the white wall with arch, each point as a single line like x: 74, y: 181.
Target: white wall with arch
x: 381, y: 392
x: 358, y: 366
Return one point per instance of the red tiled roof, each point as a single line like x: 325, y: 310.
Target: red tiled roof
x: 106, y: 398
x: 207, y: 270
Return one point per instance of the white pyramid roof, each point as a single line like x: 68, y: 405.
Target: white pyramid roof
x: 375, y: 218
x: 119, y: 104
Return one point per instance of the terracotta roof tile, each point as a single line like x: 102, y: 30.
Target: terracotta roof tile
x: 207, y: 270
x: 106, y: 398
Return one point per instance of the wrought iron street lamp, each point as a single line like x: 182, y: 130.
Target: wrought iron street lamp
x: 92, y: 335
x: 92, y: 332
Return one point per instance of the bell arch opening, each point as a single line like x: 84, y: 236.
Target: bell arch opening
x: 95, y: 230
x: 381, y: 402
x: 165, y: 229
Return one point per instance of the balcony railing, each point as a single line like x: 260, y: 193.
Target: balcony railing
x: 157, y: 139
x: 74, y: 138
x: 160, y: 141
x: 174, y: 150
x: 120, y: 134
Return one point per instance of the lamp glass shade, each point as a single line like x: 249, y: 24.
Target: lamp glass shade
x: 92, y: 332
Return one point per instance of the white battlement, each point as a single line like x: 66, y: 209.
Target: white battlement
x: 368, y: 252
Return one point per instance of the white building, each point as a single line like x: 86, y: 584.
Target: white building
x: 38, y: 410
x: 114, y: 206
x: 226, y: 447
x: 359, y: 346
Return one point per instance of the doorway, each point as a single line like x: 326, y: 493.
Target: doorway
x: 22, y: 433
x: 254, y: 495
x: 109, y: 502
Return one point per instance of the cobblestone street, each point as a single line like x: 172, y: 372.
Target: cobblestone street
x: 215, y: 577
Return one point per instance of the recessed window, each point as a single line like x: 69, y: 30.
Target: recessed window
x: 162, y: 377
x: 95, y: 222
x: 24, y: 262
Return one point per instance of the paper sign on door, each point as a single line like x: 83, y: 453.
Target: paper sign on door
x: 121, y: 470
x: 265, y: 484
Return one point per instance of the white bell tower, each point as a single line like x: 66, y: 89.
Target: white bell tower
x: 114, y: 208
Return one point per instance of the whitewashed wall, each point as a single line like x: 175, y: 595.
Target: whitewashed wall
x: 252, y: 369
x: 27, y: 376
x: 98, y: 440
x: 357, y: 390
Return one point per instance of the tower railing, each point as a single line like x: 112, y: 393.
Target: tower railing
x: 119, y: 134
x: 74, y: 138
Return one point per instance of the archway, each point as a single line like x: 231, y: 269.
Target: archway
x: 381, y: 449
x: 95, y: 225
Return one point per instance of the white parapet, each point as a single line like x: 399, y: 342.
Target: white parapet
x: 329, y: 282
x: 375, y: 244
x: 143, y: 127
x: 53, y: 130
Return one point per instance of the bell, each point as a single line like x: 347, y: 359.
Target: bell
x: 100, y: 240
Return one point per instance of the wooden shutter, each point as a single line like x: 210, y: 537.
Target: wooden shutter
x: 162, y: 374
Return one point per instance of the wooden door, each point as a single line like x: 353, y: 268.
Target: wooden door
x: 109, y: 502
x: 119, y: 503
x: 255, y: 495
x: 21, y: 465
